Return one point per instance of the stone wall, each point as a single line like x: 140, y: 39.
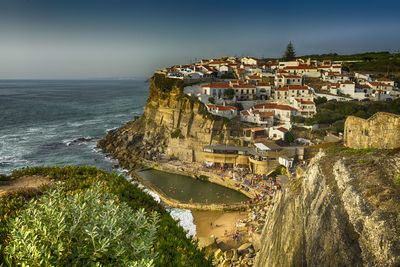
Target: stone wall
x: 381, y: 131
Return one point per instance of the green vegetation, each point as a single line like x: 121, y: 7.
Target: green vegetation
x: 398, y: 179
x: 229, y: 93
x: 166, y: 84
x: 290, y: 54
x: 298, y: 119
x: 211, y: 100
x: 335, y: 113
x: 289, y: 137
x: 380, y: 63
x: 280, y: 170
x: 81, y: 228
x: 171, y: 244
x: 177, y: 134
x: 203, y: 177
x: 320, y: 100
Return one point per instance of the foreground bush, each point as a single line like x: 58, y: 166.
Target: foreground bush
x: 81, y: 228
x: 171, y: 244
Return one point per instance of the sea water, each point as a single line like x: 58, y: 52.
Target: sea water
x: 45, y: 123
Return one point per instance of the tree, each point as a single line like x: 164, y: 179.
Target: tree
x: 229, y: 93
x: 290, y: 54
x: 211, y: 100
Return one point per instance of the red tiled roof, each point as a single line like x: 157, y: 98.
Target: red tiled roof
x: 254, y: 77
x: 245, y: 113
x: 292, y: 76
x: 219, y: 107
x: 265, y: 105
x: 300, y: 67
x: 266, y: 114
x: 217, y: 85
x: 282, y: 129
x: 307, y: 102
x: 243, y: 86
x: 263, y: 84
x: 284, y: 107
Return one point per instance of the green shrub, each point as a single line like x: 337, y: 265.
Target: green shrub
x: 177, y: 134
x: 172, y: 245
x: 211, y: 100
x: 86, y: 227
x: 229, y: 93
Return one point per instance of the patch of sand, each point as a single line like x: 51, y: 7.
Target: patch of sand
x: 221, y: 222
x: 23, y: 183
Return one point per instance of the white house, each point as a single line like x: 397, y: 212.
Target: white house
x: 223, y: 111
x: 263, y: 91
x: 285, y: 79
x: 285, y: 161
x: 277, y: 133
x: 215, y: 90
x: 303, y: 70
x: 347, y: 88
x: 255, y: 116
x: 244, y: 91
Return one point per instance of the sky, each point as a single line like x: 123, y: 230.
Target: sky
x: 84, y: 39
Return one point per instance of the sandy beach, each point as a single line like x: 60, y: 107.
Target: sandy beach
x: 216, y: 223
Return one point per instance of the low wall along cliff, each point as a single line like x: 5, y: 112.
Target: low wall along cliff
x: 381, y: 131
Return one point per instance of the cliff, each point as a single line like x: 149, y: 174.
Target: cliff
x: 382, y: 130
x: 172, y: 125
x: 344, y: 210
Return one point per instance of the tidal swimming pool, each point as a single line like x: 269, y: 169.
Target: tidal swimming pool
x: 186, y: 189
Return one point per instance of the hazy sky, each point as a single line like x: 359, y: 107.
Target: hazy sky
x: 116, y: 38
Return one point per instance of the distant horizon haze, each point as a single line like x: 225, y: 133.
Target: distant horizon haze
x: 100, y: 39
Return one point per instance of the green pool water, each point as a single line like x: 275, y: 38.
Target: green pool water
x: 186, y: 189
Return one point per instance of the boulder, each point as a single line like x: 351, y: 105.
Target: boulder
x: 256, y: 241
x: 244, y: 248
x: 206, y: 241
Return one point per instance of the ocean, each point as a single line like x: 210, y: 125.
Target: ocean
x: 46, y: 123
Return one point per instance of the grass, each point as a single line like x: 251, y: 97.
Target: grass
x: 352, y: 151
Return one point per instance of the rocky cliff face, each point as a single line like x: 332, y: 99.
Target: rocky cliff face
x: 172, y: 125
x: 343, y: 211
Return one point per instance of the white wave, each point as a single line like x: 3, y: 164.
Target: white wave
x: 185, y: 218
x: 110, y: 129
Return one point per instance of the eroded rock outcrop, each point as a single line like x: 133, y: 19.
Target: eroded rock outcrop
x: 381, y: 131
x: 172, y: 124
x: 344, y: 211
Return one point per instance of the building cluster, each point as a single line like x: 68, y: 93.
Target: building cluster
x: 273, y: 92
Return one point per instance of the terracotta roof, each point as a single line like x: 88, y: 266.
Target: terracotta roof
x: 265, y: 105
x: 254, y: 77
x: 285, y: 107
x: 300, y: 67
x: 243, y: 86
x: 293, y: 87
x: 282, y: 129
x: 347, y: 82
x: 219, y: 107
x: 379, y: 84
x: 263, y: 84
x: 254, y: 129
x: 216, y: 85
x: 292, y: 76
x: 245, y: 113
x: 266, y: 114
x: 307, y: 102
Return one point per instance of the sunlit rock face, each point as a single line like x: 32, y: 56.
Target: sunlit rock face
x: 172, y: 125
x: 343, y: 211
x: 381, y: 131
